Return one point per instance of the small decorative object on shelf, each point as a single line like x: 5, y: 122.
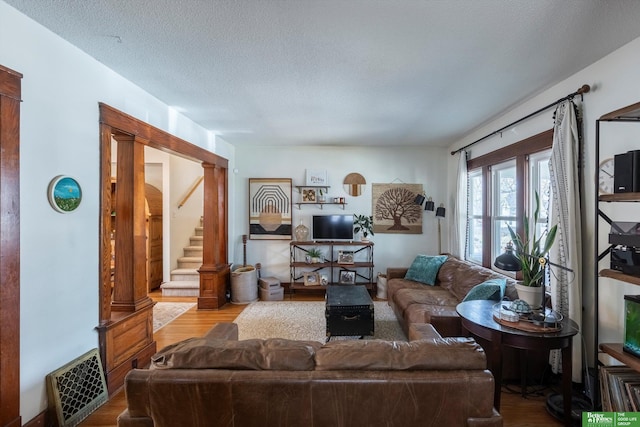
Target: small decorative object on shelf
x: 345, y: 257
x: 316, y: 177
x: 315, y: 254
x: 347, y: 277
x: 302, y: 232
x: 311, y: 278
x: 322, y: 197
x: 309, y: 195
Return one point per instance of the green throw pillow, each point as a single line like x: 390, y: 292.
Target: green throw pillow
x: 492, y: 289
x: 424, y: 269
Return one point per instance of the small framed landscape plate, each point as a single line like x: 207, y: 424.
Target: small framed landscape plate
x: 64, y: 194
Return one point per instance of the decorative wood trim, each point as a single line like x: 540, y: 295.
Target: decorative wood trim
x: 534, y: 144
x: 157, y: 138
x: 10, y: 94
x: 125, y: 329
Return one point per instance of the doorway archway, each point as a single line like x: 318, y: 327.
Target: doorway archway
x: 125, y: 329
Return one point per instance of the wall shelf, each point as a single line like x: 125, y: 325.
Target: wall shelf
x: 619, y: 197
x: 614, y: 274
x: 362, y: 264
x: 319, y: 204
x: 629, y: 113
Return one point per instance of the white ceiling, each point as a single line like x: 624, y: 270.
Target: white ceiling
x: 342, y: 72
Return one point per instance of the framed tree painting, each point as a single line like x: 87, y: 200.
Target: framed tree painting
x: 270, y: 208
x: 394, y: 208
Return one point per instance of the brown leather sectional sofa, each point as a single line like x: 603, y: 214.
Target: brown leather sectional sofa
x: 216, y: 380
x: 415, y: 302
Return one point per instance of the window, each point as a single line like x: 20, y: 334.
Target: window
x: 502, y: 187
x: 474, y: 243
x: 503, y: 209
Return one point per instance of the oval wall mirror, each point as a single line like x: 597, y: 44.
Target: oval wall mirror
x: 353, y: 184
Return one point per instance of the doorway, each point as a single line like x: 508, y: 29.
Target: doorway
x: 125, y: 329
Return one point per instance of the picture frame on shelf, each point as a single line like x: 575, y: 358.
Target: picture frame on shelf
x: 324, y: 280
x: 316, y: 177
x: 345, y: 257
x: 311, y: 278
x: 347, y: 277
x: 308, y: 195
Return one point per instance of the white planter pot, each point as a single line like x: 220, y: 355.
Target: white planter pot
x: 530, y: 294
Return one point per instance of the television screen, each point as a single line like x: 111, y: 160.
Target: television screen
x: 333, y: 227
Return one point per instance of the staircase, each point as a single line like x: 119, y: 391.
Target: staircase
x: 185, y: 280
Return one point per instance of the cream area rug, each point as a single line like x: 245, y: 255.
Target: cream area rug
x: 305, y: 320
x: 165, y: 312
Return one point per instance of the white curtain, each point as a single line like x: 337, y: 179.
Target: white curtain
x: 566, y: 293
x: 458, y: 237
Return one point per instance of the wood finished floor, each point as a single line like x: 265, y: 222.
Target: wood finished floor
x: 516, y: 410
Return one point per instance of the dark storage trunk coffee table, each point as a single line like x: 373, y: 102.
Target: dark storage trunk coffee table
x: 349, y: 311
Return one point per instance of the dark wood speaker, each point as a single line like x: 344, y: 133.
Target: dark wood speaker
x: 626, y: 178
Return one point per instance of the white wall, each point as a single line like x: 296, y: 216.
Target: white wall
x: 614, y: 84
x: 61, y: 90
x: 378, y: 165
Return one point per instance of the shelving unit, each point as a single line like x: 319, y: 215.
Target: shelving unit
x: 630, y: 113
x: 319, y: 204
x: 362, y: 263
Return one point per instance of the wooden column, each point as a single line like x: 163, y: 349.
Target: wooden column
x: 126, y: 336
x: 10, y: 92
x: 215, y: 271
x: 130, y: 291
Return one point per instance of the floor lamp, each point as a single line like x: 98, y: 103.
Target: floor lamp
x: 440, y: 214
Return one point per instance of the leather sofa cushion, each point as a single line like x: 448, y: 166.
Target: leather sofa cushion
x: 403, y: 298
x: 269, y: 354
x: 376, y: 355
x: 459, y: 277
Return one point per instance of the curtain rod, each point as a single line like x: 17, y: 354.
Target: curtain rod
x: 584, y: 89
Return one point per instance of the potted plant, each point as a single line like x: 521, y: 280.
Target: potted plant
x: 530, y: 249
x: 364, y: 224
x: 315, y: 254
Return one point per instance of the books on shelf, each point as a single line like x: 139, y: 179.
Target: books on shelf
x: 619, y: 389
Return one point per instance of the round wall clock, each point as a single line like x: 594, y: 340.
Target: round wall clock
x: 64, y: 194
x: 605, y: 176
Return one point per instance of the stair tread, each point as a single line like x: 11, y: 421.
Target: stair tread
x: 185, y: 271
x: 182, y: 284
x: 190, y: 258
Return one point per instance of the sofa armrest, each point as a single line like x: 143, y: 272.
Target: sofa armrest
x: 396, y: 273
x: 225, y: 331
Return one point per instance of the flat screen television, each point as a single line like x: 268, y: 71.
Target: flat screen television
x: 332, y: 227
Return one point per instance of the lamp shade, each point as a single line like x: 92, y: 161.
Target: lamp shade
x: 440, y: 210
x: 419, y: 199
x: 429, y: 205
x: 508, y: 261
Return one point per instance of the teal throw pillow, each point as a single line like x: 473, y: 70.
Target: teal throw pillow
x: 492, y: 289
x: 424, y: 269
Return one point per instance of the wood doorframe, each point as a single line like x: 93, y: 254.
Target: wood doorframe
x: 126, y: 327
x: 10, y: 98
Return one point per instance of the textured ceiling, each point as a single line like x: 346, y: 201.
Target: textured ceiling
x: 342, y: 72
